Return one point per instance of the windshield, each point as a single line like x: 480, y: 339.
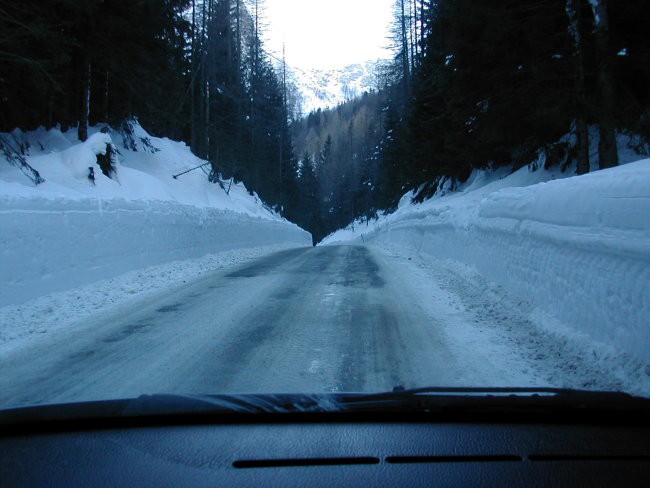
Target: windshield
x: 272, y: 196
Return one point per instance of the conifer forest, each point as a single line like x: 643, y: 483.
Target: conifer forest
x: 471, y: 84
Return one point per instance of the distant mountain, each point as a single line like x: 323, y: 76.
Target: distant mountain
x: 328, y: 88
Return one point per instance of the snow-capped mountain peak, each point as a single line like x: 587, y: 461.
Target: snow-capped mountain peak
x: 328, y: 88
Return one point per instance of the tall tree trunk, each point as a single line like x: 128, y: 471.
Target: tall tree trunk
x: 232, y: 51
x: 581, y: 128
x: 255, y: 73
x: 582, y: 146
x: 422, y: 25
x: 411, y: 33
x: 284, y: 78
x: 82, y: 131
x: 415, y: 28
x: 106, y: 97
x: 238, y: 34
x: 607, y: 150
x: 257, y: 37
x: 202, y: 84
x: 240, y: 103
x: 210, y: 40
x: 405, y: 45
x: 193, y: 124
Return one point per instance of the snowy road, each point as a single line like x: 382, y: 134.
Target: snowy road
x: 339, y: 318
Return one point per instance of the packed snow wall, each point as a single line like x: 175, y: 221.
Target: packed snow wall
x: 54, y: 245
x: 577, y: 248
x: 74, y: 229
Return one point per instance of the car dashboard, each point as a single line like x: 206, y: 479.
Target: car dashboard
x: 326, y: 449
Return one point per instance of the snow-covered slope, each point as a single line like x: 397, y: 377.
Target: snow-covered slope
x: 68, y: 232
x: 577, y: 248
x: 328, y: 88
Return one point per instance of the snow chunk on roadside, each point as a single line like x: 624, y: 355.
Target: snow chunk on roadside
x: 83, y: 156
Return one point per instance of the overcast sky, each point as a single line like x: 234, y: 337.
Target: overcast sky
x: 328, y: 33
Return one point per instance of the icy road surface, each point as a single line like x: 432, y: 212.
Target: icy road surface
x: 337, y: 318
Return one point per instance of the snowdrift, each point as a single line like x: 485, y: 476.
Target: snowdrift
x: 578, y: 248
x: 71, y: 231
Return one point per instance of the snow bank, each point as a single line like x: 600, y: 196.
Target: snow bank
x: 69, y: 232
x: 577, y: 248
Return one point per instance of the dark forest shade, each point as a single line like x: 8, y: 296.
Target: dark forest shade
x: 497, y: 81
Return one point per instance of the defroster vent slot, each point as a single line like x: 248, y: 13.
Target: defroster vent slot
x: 587, y: 457
x: 453, y: 459
x: 285, y: 463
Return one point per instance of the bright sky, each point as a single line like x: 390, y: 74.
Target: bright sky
x: 328, y: 33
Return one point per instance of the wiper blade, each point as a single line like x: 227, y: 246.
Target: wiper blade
x: 398, y: 398
x: 508, y: 399
x: 166, y: 405
x: 422, y: 404
x: 493, y: 394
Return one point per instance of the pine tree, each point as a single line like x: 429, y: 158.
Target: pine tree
x: 580, y: 98
x: 607, y: 151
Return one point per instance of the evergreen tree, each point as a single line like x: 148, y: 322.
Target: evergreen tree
x: 310, y: 216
